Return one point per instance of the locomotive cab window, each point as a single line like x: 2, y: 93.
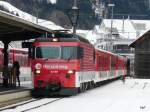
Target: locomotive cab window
x: 59, y: 52
x: 48, y: 52
x: 69, y: 52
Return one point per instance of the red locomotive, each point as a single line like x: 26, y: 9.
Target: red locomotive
x: 67, y: 66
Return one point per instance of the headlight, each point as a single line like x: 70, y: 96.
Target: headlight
x: 55, y: 39
x: 71, y: 71
x: 38, y: 71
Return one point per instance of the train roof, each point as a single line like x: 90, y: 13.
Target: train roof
x: 62, y: 37
x: 61, y: 40
x: 110, y: 53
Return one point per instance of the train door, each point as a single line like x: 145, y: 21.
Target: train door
x: 128, y: 67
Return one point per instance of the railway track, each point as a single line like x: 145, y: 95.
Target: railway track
x: 30, y: 105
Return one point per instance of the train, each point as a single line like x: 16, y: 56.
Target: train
x: 20, y: 55
x: 67, y: 64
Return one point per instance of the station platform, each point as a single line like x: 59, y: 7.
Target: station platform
x: 10, y: 95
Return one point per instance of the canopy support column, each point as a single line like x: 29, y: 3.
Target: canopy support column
x: 5, y: 64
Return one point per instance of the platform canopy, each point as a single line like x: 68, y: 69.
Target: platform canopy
x: 13, y: 28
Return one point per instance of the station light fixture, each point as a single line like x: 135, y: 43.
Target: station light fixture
x: 73, y: 15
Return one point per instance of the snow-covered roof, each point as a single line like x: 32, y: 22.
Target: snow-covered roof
x: 92, y: 36
x: 145, y: 24
x: 52, y: 1
x: 126, y: 27
x: 98, y: 30
x: 17, y: 12
x: 82, y: 33
x: 49, y: 24
x: 119, y: 24
x: 140, y: 39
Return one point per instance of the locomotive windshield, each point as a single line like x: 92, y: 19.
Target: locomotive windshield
x: 53, y: 52
x: 48, y: 52
x: 69, y: 52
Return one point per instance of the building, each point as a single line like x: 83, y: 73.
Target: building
x: 111, y: 33
x: 115, y: 35
x: 142, y: 55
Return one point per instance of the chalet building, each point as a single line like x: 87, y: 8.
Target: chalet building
x: 142, y: 55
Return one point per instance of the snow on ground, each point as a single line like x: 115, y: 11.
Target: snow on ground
x: 114, y: 97
x: 133, y: 96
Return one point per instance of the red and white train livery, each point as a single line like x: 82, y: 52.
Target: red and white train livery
x: 67, y: 66
x: 20, y: 55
